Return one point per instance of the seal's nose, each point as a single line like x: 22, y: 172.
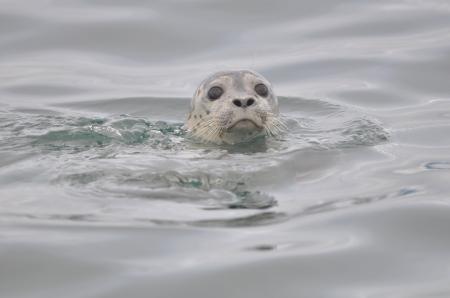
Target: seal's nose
x: 243, y: 103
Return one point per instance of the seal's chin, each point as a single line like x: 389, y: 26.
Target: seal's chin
x: 244, y: 125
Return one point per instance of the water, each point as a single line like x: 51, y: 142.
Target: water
x: 102, y: 194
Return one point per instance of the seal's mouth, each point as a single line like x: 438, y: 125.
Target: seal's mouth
x: 244, y: 124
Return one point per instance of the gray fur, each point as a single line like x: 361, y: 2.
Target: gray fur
x: 221, y: 121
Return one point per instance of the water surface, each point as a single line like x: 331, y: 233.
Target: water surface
x: 102, y: 194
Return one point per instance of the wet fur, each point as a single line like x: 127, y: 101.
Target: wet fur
x: 210, y: 121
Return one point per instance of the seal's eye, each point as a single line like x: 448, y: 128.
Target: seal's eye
x: 262, y: 90
x: 215, y: 92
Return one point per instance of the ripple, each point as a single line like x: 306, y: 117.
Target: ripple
x: 211, y: 192
x: 138, y: 161
x: 438, y: 165
x: 259, y: 219
x: 83, y: 133
x: 346, y: 203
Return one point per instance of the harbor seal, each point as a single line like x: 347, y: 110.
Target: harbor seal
x: 230, y: 107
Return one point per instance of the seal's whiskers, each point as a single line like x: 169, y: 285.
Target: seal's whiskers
x: 274, y: 125
x: 209, y: 130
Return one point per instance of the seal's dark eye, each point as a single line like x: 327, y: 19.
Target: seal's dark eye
x: 215, y: 92
x: 262, y: 90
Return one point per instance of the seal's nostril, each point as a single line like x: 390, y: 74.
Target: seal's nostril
x: 243, y: 103
x: 237, y: 102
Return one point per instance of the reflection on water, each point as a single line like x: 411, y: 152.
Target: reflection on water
x: 102, y: 190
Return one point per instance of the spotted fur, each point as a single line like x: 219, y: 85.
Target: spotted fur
x: 221, y: 121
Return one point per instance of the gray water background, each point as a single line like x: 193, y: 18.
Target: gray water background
x: 102, y: 194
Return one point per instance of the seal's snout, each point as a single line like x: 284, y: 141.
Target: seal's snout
x: 243, y: 103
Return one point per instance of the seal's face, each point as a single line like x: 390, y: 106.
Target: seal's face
x: 234, y: 106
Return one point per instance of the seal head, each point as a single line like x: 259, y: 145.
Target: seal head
x: 233, y: 106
